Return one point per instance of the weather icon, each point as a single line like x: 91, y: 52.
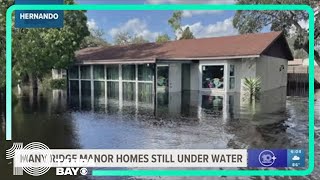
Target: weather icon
x: 296, y: 158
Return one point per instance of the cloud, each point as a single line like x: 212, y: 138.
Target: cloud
x: 136, y: 27
x: 92, y: 25
x: 296, y: 158
x: 189, y: 13
x: 220, y: 28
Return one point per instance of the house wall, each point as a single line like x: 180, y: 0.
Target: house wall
x: 272, y: 71
x: 194, y: 76
x: 185, y: 78
x: 175, y: 77
x: 246, y: 68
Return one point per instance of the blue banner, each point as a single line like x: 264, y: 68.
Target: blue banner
x: 296, y: 158
x: 39, y: 19
x: 267, y: 158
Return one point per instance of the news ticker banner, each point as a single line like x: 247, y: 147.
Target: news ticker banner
x: 36, y: 158
x: 39, y: 18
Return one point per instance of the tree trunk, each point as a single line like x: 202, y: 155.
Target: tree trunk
x: 317, y: 57
x: 2, y: 100
x: 33, y: 81
x: 316, y: 53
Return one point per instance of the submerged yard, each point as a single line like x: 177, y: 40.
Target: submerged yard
x: 187, y: 120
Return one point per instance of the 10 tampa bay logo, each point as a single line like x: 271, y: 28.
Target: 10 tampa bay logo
x: 71, y: 171
x: 31, y: 169
x: 36, y: 160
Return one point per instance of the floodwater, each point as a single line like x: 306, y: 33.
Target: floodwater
x: 178, y: 120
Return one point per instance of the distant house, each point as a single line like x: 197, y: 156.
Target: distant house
x: 298, y: 72
x: 59, y: 73
x: 213, y: 65
x: 300, y: 62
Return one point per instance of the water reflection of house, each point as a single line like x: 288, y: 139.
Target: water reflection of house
x: 212, y: 66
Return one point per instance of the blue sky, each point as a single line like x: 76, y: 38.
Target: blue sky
x: 150, y: 24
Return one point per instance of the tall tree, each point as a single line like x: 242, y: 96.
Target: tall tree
x: 162, y: 38
x: 297, y: 53
x: 138, y: 40
x: 175, y: 23
x: 122, y: 38
x: 287, y: 21
x: 4, y: 5
x: 37, y: 51
x: 95, y: 39
x: 125, y: 38
x: 187, y: 34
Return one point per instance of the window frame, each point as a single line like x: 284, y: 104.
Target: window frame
x: 224, y: 76
x: 230, y: 77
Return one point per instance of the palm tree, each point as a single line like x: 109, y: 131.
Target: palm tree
x: 253, y: 87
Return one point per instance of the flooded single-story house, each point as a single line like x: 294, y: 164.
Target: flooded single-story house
x: 214, y: 65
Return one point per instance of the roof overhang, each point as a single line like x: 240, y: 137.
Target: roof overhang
x: 167, y: 60
x: 208, y: 58
x: 116, y: 61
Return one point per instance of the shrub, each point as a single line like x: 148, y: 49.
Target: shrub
x: 252, y: 87
x: 58, y: 83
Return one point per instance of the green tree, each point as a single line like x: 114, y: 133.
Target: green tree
x: 122, y: 38
x: 162, y: 38
x: 4, y: 5
x: 125, y: 38
x: 175, y: 23
x: 138, y: 40
x: 187, y: 34
x: 287, y: 21
x: 95, y: 39
x: 37, y: 51
x: 297, y: 53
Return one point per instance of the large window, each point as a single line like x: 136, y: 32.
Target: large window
x: 101, y: 82
x: 231, y: 78
x: 212, y: 76
x: 85, y: 72
x: 128, y: 72
x: 98, y: 72
x: 113, y: 90
x: 129, y: 89
x: 85, y: 95
x: 145, y: 72
x: 74, y: 88
x: 99, y: 89
x: 74, y: 72
x: 145, y: 92
x: 113, y: 72
x: 85, y: 88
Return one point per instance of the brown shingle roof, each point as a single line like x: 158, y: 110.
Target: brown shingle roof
x: 239, y: 45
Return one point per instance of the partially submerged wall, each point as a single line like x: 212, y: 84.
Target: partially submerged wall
x: 272, y: 71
